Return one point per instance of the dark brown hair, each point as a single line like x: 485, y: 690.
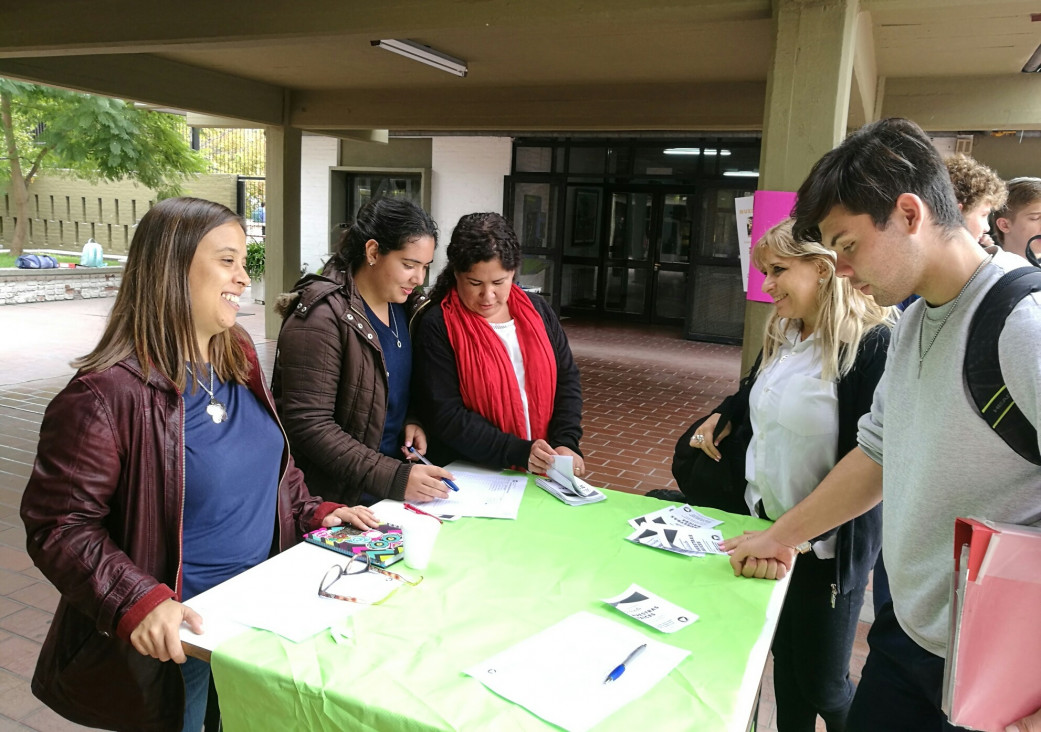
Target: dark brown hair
x: 152, y: 316
x: 478, y: 237
x: 869, y: 170
x: 391, y: 222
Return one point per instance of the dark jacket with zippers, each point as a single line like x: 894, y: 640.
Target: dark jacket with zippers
x: 103, y: 515
x: 330, y: 385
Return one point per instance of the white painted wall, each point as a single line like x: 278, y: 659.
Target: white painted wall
x: 317, y: 155
x: 467, y: 176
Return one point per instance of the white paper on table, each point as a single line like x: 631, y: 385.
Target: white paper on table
x: 655, y: 611
x: 676, y: 516
x: 679, y: 539
x: 481, y: 494
x: 558, y: 674
x: 280, y: 595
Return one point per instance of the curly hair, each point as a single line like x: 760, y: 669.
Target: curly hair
x: 478, y: 237
x: 845, y: 313
x: 975, y: 184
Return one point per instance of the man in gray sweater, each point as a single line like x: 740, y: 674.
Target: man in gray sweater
x: 883, y: 202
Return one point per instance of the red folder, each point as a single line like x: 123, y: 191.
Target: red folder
x: 993, y: 672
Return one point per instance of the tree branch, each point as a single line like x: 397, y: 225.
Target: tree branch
x: 36, y: 164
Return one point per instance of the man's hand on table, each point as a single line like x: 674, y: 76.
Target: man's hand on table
x: 757, y: 554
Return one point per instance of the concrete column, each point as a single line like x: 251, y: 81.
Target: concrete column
x: 807, y: 102
x: 282, y: 199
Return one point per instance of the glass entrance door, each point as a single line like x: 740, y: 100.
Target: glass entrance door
x: 647, y: 258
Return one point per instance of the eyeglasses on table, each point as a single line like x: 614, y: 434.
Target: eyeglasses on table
x: 357, y: 565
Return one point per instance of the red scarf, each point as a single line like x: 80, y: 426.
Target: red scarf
x: 487, y: 381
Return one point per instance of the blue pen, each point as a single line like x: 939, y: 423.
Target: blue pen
x: 620, y: 668
x: 423, y: 460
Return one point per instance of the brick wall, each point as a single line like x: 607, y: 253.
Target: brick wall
x: 19, y: 286
x: 66, y: 212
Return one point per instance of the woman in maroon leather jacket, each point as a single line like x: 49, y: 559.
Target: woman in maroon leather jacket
x: 142, y: 469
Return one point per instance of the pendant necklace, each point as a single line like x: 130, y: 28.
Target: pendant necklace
x: 394, y: 325
x: 217, y: 411
x: 923, y: 353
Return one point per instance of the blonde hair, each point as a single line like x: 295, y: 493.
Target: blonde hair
x: 844, y: 313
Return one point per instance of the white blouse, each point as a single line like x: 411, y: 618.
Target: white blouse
x: 795, y: 430
x: 507, y: 332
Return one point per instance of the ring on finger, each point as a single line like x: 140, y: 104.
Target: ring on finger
x: 699, y: 438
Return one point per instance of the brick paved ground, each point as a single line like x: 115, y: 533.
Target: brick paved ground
x: 642, y: 386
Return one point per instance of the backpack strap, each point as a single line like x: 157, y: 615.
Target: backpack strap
x: 983, y: 369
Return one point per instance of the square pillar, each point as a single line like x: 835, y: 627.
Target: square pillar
x: 282, y: 199
x: 807, y: 103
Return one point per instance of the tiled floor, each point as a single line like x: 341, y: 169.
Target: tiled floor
x: 642, y: 386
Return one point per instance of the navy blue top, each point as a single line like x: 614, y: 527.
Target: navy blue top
x: 399, y: 373
x: 230, y: 485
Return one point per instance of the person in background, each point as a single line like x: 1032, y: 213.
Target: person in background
x: 883, y: 202
x: 979, y: 192
x: 344, y: 362
x: 1019, y: 220
x: 498, y: 386
x: 823, y: 353
x: 161, y: 471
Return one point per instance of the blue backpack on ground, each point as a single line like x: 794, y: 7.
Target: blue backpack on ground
x: 37, y: 261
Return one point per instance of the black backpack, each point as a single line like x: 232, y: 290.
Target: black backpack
x: 982, y: 368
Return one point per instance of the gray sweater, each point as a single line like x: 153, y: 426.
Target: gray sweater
x: 939, y: 459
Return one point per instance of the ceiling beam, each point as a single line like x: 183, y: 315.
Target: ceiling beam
x: 73, y: 26
x: 966, y: 103
x: 144, y: 78
x: 701, y: 106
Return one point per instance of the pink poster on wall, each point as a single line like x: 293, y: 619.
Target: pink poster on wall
x: 768, y: 208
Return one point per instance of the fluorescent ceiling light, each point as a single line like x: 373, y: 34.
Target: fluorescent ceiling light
x: 425, y: 55
x: 694, y: 151
x: 741, y: 173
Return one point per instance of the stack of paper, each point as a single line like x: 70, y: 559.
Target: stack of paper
x: 679, y: 529
x: 993, y: 672
x: 481, y: 493
x: 566, y: 486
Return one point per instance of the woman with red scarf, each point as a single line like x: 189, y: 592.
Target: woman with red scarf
x: 496, y: 383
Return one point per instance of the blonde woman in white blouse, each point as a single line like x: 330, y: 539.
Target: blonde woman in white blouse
x: 824, y: 350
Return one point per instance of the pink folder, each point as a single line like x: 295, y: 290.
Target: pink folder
x: 993, y: 672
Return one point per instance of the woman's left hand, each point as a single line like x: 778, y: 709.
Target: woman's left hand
x: 578, y: 464
x: 414, y: 437
x: 361, y: 517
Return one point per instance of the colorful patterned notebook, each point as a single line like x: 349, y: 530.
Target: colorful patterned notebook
x: 383, y: 545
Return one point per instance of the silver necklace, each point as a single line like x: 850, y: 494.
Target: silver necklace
x: 217, y: 411
x: 922, y: 354
x: 394, y: 324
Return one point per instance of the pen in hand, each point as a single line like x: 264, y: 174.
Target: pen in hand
x: 620, y: 668
x: 423, y: 460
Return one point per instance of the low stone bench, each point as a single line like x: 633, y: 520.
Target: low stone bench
x: 44, y: 285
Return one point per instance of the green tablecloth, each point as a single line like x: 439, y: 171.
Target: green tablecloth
x: 491, y: 584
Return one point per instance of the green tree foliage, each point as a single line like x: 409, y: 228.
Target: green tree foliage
x: 87, y: 136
